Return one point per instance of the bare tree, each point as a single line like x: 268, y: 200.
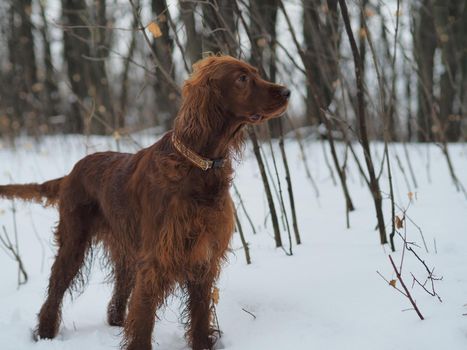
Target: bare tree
x: 219, y: 27
x: 193, y: 38
x: 424, y: 50
x: 450, y: 24
x: 321, y: 44
x: 23, y: 72
x: 51, y: 94
x: 86, y: 49
x: 166, y: 98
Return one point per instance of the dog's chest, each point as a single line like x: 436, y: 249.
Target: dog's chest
x: 208, y: 190
x: 209, y: 231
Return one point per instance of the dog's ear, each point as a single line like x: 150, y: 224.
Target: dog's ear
x: 201, y: 111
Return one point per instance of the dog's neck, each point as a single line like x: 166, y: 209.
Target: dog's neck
x: 220, y: 142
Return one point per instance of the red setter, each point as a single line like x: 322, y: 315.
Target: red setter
x: 164, y: 215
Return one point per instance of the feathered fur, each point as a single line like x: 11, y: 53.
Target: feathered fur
x: 45, y: 193
x: 162, y: 221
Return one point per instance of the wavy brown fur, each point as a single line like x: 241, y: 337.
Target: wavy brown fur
x: 45, y: 193
x: 162, y: 221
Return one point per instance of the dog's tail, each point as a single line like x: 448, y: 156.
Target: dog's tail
x: 46, y: 193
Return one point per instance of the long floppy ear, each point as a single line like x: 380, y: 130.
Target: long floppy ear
x: 201, y: 111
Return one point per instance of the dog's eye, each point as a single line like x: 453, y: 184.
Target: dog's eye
x: 243, y: 78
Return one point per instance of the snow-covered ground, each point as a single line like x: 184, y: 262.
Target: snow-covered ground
x: 326, y: 296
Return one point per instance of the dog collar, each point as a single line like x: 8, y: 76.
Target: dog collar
x: 196, y: 159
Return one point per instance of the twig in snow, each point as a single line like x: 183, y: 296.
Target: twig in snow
x: 244, y: 208
x: 248, y: 312
x: 12, y: 250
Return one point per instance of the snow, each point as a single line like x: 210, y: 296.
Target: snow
x: 326, y: 296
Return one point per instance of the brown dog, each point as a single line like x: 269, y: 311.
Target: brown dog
x: 164, y: 214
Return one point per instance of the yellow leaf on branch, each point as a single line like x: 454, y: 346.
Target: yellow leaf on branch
x: 155, y: 30
x: 392, y: 283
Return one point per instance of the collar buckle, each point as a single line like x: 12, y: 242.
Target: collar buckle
x: 205, y: 165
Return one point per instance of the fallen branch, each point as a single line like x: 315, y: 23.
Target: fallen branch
x: 249, y: 313
x: 407, y: 293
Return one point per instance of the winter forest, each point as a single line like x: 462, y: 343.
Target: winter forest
x: 350, y: 209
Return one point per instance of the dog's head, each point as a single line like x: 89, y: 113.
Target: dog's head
x: 224, y: 93
x: 231, y: 86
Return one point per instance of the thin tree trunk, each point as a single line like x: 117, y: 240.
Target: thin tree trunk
x: 51, y: 93
x: 24, y: 69
x: 447, y: 18
x: 100, y: 89
x: 193, y: 38
x: 363, y: 133
x: 463, y: 59
x: 321, y: 43
x: 246, y: 249
x: 267, y: 188
x: 289, y: 187
x: 263, y: 20
x: 76, y: 40
x: 424, y: 50
x: 219, y: 25
x: 120, y: 120
x: 316, y: 95
x: 166, y: 98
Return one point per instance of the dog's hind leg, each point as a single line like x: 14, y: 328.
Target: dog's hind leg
x: 73, y: 236
x: 124, y: 281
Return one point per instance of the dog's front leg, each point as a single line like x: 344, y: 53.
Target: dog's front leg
x: 199, y: 304
x: 147, y: 295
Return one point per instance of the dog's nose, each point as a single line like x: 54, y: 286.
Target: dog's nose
x: 285, y: 92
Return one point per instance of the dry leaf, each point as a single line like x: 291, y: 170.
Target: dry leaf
x: 336, y: 83
x: 215, y: 295
x: 76, y: 77
x: 15, y: 125
x: 28, y: 10
x: 399, y: 222
x: 362, y: 33
x: 37, y: 87
x: 155, y: 30
x: 261, y: 42
x: 392, y: 283
x: 4, y: 121
x: 369, y: 12
x: 444, y: 38
x: 410, y: 194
